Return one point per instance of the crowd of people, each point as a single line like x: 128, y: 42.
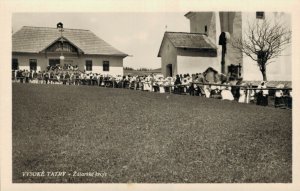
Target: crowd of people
x: 195, y: 85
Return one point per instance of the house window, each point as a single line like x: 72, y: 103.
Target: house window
x: 15, y: 64
x: 33, y: 64
x: 106, y: 66
x: 54, y: 62
x: 88, y: 65
x: 260, y: 15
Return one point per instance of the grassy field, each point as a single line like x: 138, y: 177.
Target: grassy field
x: 134, y: 136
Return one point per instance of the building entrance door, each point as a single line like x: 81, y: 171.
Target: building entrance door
x: 169, y: 70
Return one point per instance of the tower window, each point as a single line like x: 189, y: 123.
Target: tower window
x: 205, y: 28
x: 260, y: 15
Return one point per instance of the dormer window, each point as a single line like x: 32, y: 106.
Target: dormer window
x: 260, y: 15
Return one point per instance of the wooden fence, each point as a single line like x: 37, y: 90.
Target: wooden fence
x: 166, y: 88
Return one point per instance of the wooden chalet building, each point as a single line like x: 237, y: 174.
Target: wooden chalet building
x: 36, y: 48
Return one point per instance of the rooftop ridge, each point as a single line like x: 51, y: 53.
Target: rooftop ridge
x: 54, y: 28
x: 186, y: 32
x: 32, y: 39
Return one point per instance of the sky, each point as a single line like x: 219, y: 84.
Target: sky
x: 136, y: 34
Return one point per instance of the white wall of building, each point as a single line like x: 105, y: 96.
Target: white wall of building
x: 281, y: 68
x: 192, y: 65
x: 115, y: 63
x: 237, y: 24
x: 168, y: 56
x: 23, y: 60
x: 201, y: 20
x: 231, y: 22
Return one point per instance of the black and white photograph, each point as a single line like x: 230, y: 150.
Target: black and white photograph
x: 179, y: 97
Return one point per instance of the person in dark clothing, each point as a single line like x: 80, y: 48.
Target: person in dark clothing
x: 235, y: 90
x: 19, y: 76
x: 177, y: 83
x: 34, y: 76
x: 194, y: 90
x: 51, y: 77
x: 46, y: 77
x: 178, y: 80
x: 100, y: 80
x: 258, y: 97
x: 67, y: 78
x: 262, y: 94
x: 61, y: 77
x: 27, y: 75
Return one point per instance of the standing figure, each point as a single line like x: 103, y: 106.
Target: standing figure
x: 40, y: 77
x: 177, y: 83
x: 279, y: 102
x: 226, y: 92
x: 27, y: 75
x: 262, y: 94
x: 242, y: 93
x: 46, y: 77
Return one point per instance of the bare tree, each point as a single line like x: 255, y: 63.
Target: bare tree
x: 263, y: 41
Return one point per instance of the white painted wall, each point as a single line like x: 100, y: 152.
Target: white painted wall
x: 23, y: 60
x: 168, y: 56
x: 198, y: 21
x: 116, y: 63
x: 192, y: 65
x: 231, y: 22
x: 281, y: 68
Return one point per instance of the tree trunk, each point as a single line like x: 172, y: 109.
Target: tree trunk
x: 263, y: 72
x: 264, y: 75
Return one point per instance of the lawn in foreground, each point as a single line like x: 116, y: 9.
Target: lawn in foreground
x: 134, y: 136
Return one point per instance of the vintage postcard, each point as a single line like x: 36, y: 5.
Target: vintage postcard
x: 181, y: 97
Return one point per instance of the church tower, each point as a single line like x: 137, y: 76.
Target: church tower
x: 213, y: 24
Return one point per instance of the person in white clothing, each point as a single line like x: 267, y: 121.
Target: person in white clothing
x: 207, y: 91
x: 147, y: 84
x: 242, y: 98
x: 226, y: 92
x: 279, y: 96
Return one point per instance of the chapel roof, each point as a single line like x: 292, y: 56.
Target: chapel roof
x: 187, y: 40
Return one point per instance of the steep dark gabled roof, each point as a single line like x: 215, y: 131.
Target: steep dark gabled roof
x: 35, y: 39
x: 189, y: 41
